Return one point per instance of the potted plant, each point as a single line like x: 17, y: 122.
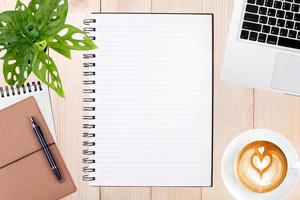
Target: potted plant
x: 28, y: 31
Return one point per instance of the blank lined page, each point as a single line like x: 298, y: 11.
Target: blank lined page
x: 153, y: 100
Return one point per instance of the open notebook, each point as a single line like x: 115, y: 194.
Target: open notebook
x: 150, y: 100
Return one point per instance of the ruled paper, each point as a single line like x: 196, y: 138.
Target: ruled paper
x: 153, y: 100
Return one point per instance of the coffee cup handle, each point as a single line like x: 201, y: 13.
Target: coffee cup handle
x: 295, y: 165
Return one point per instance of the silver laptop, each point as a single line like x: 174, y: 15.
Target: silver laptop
x: 263, y: 48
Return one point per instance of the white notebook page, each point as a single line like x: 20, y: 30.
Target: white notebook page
x: 153, y: 100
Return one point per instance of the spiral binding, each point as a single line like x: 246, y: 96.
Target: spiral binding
x: 88, y: 117
x: 8, y: 91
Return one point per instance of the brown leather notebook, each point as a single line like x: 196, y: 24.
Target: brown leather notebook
x: 24, y: 169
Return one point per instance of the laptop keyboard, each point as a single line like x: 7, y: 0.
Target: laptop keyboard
x: 274, y: 22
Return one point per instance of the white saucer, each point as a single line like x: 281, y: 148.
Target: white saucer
x: 227, y: 167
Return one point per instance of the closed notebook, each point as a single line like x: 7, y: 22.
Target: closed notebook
x: 11, y: 95
x: 25, y: 173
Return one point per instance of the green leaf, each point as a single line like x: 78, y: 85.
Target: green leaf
x: 45, y: 69
x: 17, y: 64
x: 59, y: 45
x: 10, y: 36
x: 71, y: 38
x: 25, y: 22
x: 50, y: 15
x: 26, y: 32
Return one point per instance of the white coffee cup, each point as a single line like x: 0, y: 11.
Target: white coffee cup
x: 237, y: 144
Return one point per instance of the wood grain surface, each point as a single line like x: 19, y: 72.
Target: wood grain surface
x: 236, y: 108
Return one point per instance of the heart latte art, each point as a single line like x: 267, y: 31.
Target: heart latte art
x: 260, y: 166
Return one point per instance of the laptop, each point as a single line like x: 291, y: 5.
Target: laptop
x: 263, y: 48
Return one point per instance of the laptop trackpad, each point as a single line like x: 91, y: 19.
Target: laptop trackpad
x: 286, y: 75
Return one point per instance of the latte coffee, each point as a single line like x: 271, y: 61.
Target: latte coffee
x: 260, y: 166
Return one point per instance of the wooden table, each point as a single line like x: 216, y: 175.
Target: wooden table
x: 236, y: 108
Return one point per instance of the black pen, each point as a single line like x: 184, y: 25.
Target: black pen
x: 46, y: 149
